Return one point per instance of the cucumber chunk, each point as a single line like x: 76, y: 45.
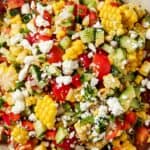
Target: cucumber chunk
x: 108, y: 48
x: 99, y: 37
x: 127, y: 96
x: 61, y: 134
x: 87, y: 35
x: 65, y: 42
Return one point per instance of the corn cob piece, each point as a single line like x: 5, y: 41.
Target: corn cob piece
x: 46, y: 111
x: 20, y: 135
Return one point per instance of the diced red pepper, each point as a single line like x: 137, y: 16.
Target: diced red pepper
x: 55, y: 54
x: 44, y: 37
x: 115, y: 4
x: 2, y: 59
x: 112, y: 134
x: 47, y: 16
x: 81, y: 10
x: 76, y: 82
x: 60, y: 92
x: 142, y: 134
x: 130, y: 117
x: 6, y: 119
x: 14, y: 117
x: 101, y: 65
x: 31, y: 38
x: 50, y: 134
x: 92, y: 17
x: 14, y: 3
x: 28, y: 125
x: 85, y: 61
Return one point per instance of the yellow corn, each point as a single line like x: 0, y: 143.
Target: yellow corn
x: 16, y: 20
x: 145, y: 68
x: 138, y: 79
x: 60, y: 34
x: 74, y: 51
x: 45, y: 111
x: 57, y: 6
x: 30, y: 100
x: 116, y: 20
x: 20, y: 135
x: 40, y: 147
x: 8, y: 76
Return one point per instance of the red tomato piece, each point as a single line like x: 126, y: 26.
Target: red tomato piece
x: 112, y: 134
x: 85, y: 61
x: 101, y: 65
x: 93, y: 17
x: 130, y: 117
x: 50, y: 134
x: 47, y: 16
x: 44, y: 37
x: 6, y: 119
x: 14, y: 117
x: 81, y: 10
x: 14, y: 3
x: 28, y: 125
x: 2, y: 59
x: 31, y: 38
x: 55, y: 54
x: 115, y: 4
x: 142, y: 134
x: 60, y: 92
x: 76, y: 82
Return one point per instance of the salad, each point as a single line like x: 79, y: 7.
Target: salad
x: 74, y: 75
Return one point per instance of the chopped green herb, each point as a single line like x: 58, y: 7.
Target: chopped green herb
x: 26, y: 18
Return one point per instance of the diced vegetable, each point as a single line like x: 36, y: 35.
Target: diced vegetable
x: 36, y: 73
x: 39, y: 128
x: 61, y: 134
x: 145, y: 68
x: 65, y: 42
x: 87, y: 35
x: 99, y: 39
x: 108, y: 48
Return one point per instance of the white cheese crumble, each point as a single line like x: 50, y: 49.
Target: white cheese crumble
x: 69, y: 66
x: 29, y: 60
x: 84, y: 106
x: 25, y: 9
x: 31, y: 27
x: 148, y: 34
x: 23, y: 73
x: 146, y: 83
x: 19, y: 104
x: 15, y: 39
x: 102, y: 111
x: 32, y: 117
x: 113, y: 43
x: 133, y: 34
x: 92, y: 47
x: 63, y: 80
x: 45, y: 46
x: 97, y: 25
x: 25, y: 43
x: 114, y: 106
x: 75, y: 36
x: 40, y: 8
x: 41, y: 22
x: 94, y: 82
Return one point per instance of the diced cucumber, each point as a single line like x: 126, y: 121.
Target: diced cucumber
x: 135, y: 104
x: 39, y: 128
x: 141, y: 42
x: 61, y: 134
x: 108, y: 48
x: 87, y: 35
x: 89, y: 119
x: 129, y: 44
x: 99, y: 37
x: 146, y: 22
x: 86, y: 77
x: 65, y: 42
x: 89, y: 3
x: 36, y: 73
x: 70, y: 8
x: 119, y: 56
x: 127, y: 96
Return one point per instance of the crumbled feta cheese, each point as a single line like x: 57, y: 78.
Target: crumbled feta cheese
x: 29, y: 60
x: 40, y: 8
x: 41, y: 22
x: 32, y: 5
x: 23, y: 73
x: 32, y: 117
x: 144, y: 82
x: 114, y: 106
x: 133, y: 34
x: 102, y: 111
x: 148, y: 34
x: 75, y: 36
x: 84, y: 105
x: 148, y: 85
x: 69, y: 66
x: 25, y: 9
x: 92, y: 47
x: 15, y: 39
x: 113, y: 43
x: 32, y: 133
x: 147, y: 122
x: 45, y: 46
x: 31, y: 27
x: 90, y: 55
x: 65, y: 14
x: 94, y: 81
x: 25, y: 43
x: 19, y: 104
x: 97, y: 25
x: 63, y: 80
x: 86, y: 114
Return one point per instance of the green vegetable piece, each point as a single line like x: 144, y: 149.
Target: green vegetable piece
x: 89, y: 119
x: 129, y: 44
x: 36, y: 73
x: 14, y: 12
x: 87, y: 35
x: 26, y: 18
x: 146, y: 21
x: 99, y: 37
x: 89, y: 3
x: 61, y: 134
x: 127, y: 96
x: 135, y: 104
x: 1, y: 102
x: 108, y: 48
x: 65, y: 42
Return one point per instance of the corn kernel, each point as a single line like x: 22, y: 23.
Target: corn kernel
x: 57, y: 6
x: 145, y: 68
x: 46, y: 111
x: 20, y: 135
x: 138, y: 79
x: 30, y: 101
